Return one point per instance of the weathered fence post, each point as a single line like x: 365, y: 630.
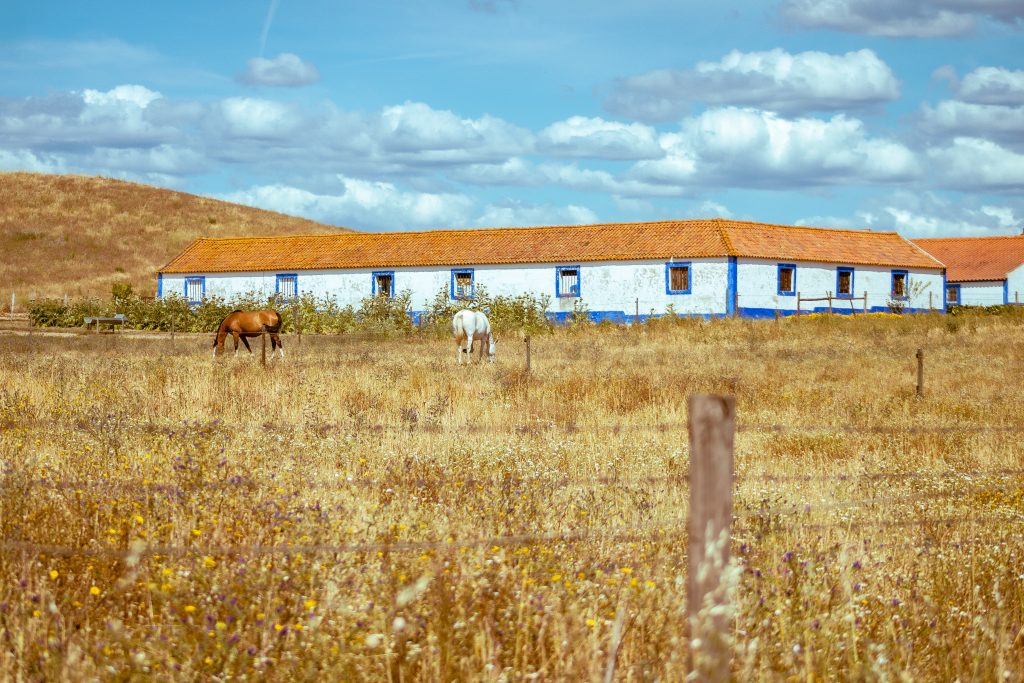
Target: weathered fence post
x: 527, y: 340
x: 712, y: 425
x: 920, y: 373
x: 263, y: 351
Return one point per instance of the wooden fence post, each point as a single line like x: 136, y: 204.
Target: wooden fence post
x: 920, y: 373
x: 527, y: 340
x: 712, y: 425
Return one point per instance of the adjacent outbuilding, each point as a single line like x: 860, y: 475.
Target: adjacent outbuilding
x: 980, y: 271
x: 618, y: 271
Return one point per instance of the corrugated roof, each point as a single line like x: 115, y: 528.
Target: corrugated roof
x: 972, y: 259
x: 553, y: 244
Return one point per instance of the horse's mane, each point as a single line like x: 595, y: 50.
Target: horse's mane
x: 237, y: 310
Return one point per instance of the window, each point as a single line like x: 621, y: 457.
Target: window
x: 952, y: 295
x: 195, y: 289
x: 462, y: 283
x: 787, y: 279
x: 899, y: 284
x: 844, y: 282
x: 384, y: 283
x: 677, y: 278
x: 287, y: 286
x: 567, y: 281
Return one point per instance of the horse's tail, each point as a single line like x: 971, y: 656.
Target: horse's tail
x: 276, y: 325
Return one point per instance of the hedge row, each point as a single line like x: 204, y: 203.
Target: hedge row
x: 321, y: 315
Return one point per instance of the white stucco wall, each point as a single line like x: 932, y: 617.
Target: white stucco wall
x: 608, y: 289
x: 614, y: 289
x: 1015, y: 285
x: 758, y: 286
x: 982, y: 293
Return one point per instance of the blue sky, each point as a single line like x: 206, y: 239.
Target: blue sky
x: 880, y: 114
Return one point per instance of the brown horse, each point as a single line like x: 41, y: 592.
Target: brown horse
x: 241, y: 324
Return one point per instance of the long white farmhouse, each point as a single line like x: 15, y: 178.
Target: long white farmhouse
x: 708, y: 268
x: 982, y: 271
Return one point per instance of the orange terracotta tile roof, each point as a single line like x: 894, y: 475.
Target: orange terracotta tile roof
x: 555, y: 244
x: 971, y: 259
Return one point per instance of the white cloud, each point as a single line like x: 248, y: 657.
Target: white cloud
x: 164, y: 160
x: 514, y: 171
x: 362, y: 203
x: 248, y: 117
x: 775, y: 80
x: 751, y: 148
x: 517, y: 214
x: 711, y: 209
x: 286, y: 69
x: 595, y: 138
x: 1005, y: 124
x: 976, y: 164
x: 417, y: 132
x: 900, y: 18
x: 26, y: 160
x: 91, y: 118
x: 929, y: 214
x: 992, y: 85
x: 136, y: 95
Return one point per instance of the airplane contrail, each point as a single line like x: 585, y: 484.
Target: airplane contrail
x: 266, y: 25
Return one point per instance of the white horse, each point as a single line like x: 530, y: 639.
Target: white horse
x: 470, y: 326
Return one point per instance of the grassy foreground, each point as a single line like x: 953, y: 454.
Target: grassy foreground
x: 370, y: 511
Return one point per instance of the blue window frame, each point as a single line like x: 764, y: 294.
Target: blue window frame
x: 678, y: 278
x: 195, y: 289
x: 567, y: 281
x: 952, y: 294
x: 787, y: 279
x: 463, y: 281
x: 844, y: 283
x: 384, y: 283
x: 900, y: 288
x: 286, y: 285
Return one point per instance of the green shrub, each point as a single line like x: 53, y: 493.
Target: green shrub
x: 524, y: 313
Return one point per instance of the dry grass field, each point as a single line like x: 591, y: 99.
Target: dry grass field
x: 369, y: 511
x: 80, y: 234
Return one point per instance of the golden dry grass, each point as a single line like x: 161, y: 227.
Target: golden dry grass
x: 888, y: 548
x: 79, y: 234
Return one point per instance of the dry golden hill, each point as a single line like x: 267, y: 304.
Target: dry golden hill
x: 79, y: 234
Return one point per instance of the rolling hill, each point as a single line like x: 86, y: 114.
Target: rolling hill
x: 80, y: 234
